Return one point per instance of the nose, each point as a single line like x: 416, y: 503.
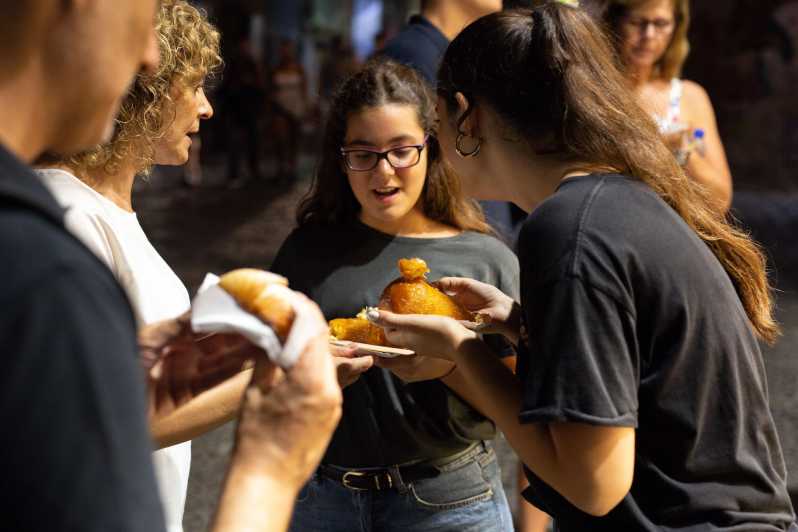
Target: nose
x: 205, y: 108
x: 382, y: 173
x: 152, y: 54
x: 649, y: 30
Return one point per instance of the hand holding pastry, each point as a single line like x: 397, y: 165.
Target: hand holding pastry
x: 349, y: 365
x: 501, y: 314
x: 289, y: 415
x: 181, y: 364
x: 409, y: 294
x: 433, y: 336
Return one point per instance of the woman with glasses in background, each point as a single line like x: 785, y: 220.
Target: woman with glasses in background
x: 651, y: 40
x: 409, y: 454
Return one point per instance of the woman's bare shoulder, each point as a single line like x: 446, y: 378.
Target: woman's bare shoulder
x: 694, y: 94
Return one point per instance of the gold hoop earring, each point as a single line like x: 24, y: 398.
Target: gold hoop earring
x: 463, y: 153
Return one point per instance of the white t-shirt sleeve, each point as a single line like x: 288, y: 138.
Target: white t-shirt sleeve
x: 90, y: 230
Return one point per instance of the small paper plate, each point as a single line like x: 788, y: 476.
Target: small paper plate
x: 376, y: 350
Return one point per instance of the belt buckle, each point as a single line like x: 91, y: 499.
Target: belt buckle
x: 360, y: 474
x: 345, y: 480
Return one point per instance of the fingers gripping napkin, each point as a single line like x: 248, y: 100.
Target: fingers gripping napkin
x: 258, y: 305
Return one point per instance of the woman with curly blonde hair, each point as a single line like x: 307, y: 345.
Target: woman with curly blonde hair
x: 155, y: 120
x: 651, y: 41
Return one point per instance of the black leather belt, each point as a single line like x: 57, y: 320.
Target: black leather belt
x: 378, y: 479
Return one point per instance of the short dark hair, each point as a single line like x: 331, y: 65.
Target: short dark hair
x: 514, y: 4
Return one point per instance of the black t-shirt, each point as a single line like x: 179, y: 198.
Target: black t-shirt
x: 345, y: 268
x: 419, y: 45
x: 75, y: 452
x: 632, y: 322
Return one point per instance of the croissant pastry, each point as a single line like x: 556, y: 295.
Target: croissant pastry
x: 256, y: 292
x: 409, y: 294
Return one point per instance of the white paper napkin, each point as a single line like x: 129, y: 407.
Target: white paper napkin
x: 213, y: 310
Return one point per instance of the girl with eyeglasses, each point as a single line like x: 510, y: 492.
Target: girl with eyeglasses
x: 650, y: 37
x: 640, y: 402
x: 409, y: 454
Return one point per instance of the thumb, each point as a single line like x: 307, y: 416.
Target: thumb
x: 451, y: 285
x: 359, y: 364
x: 389, y: 320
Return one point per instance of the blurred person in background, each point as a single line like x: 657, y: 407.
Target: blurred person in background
x: 241, y: 97
x: 289, y: 104
x: 77, y: 452
x: 339, y: 63
x: 422, y: 42
x: 651, y: 40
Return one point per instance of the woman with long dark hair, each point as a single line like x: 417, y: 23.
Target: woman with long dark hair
x: 640, y: 401
x: 409, y: 454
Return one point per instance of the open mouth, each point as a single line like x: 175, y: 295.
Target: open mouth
x: 386, y: 192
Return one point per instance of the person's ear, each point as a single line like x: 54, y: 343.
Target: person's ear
x: 467, y: 118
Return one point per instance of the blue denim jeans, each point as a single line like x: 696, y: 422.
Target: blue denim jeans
x: 466, y: 497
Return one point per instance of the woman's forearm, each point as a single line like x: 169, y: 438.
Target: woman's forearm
x: 202, y: 414
x: 456, y: 382
x: 716, y: 181
x: 254, y: 502
x: 589, y: 466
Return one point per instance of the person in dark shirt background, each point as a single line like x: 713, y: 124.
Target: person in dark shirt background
x: 422, y: 42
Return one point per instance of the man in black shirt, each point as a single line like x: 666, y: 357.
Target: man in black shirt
x: 75, y: 450
x: 423, y: 41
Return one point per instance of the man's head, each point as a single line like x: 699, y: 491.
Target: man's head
x: 77, y: 59
x: 162, y: 106
x: 473, y: 9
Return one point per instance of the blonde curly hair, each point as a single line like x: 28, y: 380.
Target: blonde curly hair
x: 189, y: 48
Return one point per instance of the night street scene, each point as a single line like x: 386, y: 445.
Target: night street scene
x: 399, y: 265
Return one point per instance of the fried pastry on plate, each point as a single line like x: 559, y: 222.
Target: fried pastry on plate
x: 409, y: 294
x: 357, y: 329
x: 412, y: 294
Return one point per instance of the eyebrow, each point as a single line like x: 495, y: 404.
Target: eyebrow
x: 394, y: 140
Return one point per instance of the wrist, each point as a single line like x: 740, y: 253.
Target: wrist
x: 462, y: 336
x: 258, y: 476
x: 253, y: 501
x: 267, y: 466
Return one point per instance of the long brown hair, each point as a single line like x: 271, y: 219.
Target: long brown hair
x: 381, y: 82
x: 670, y: 64
x: 549, y: 74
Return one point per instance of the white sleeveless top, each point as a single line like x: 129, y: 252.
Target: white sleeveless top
x: 672, y: 120
x: 155, y: 293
